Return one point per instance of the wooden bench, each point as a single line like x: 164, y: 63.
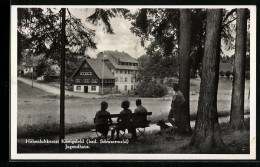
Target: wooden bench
x: 135, y: 123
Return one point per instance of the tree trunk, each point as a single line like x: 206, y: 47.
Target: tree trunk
x: 207, y: 133
x: 184, y: 68
x: 238, y: 91
x: 62, y: 83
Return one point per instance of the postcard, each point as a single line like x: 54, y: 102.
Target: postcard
x: 133, y: 82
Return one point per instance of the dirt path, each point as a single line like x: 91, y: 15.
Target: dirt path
x: 56, y: 91
x: 153, y: 128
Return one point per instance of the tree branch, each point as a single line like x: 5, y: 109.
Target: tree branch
x: 229, y: 14
x: 224, y: 25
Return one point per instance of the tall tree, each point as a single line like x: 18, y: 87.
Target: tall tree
x: 238, y: 91
x: 207, y: 133
x: 62, y: 80
x: 161, y: 27
x: 184, y: 67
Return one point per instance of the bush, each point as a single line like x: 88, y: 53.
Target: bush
x: 151, y: 89
x: 47, y: 78
x: 29, y: 75
x: 228, y: 73
x: 221, y: 73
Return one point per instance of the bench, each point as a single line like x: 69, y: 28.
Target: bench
x: 135, y: 123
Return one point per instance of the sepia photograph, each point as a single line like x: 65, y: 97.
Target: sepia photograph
x: 133, y: 82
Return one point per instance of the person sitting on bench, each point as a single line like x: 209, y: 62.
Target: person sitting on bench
x: 124, y: 120
x: 102, y: 119
x: 139, y: 119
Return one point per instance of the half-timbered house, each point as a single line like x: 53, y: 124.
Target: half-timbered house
x: 89, y: 76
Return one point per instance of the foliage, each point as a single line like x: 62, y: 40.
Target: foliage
x: 23, y: 44
x: 29, y: 75
x: 104, y: 15
x: 41, y: 68
x: 159, y: 28
x: 42, y: 27
x: 151, y: 89
x: 156, y: 67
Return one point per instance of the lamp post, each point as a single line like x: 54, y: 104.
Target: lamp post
x: 62, y: 83
x: 32, y: 76
x: 103, y: 76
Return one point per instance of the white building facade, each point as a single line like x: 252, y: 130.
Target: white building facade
x: 123, y: 67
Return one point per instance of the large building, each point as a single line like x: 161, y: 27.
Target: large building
x: 89, y: 75
x: 123, y: 67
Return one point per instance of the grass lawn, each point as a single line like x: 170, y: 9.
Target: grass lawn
x: 38, y: 111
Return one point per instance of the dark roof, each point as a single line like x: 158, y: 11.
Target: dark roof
x: 113, y: 57
x: 124, y: 57
x: 97, y: 66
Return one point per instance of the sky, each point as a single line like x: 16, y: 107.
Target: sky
x: 121, y: 40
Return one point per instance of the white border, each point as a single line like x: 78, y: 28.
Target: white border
x: 15, y: 156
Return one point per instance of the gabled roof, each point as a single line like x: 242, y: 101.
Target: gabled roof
x: 97, y: 66
x: 124, y: 57
x: 113, y: 56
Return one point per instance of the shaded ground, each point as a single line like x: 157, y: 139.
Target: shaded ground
x: 237, y: 141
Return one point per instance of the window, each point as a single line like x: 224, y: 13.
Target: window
x: 93, y: 88
x: 125, y: 87
x: 85, y: 73
x: 116, y: 79
x: 121, y: 71
x: 125, y: 71
x: 125, y: 79
x: 116, y: 88
x: 77, y: 80
x: 82, y: 73
x: 86, y: 80
x: 132, y: 80
x: 105, y: 81
x: 121, y: 79
x: 132, y: 87
x: 94, y: 81
x: 78, y: 88
x: 128, y: 71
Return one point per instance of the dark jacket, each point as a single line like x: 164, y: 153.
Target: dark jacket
x: 140, y: 109
x: 124, y: 118
x: 102, y: 117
